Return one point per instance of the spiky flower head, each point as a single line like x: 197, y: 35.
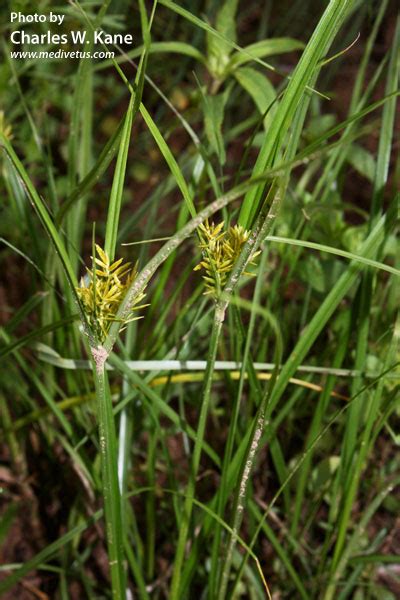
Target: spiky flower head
x: 220, y: 250
x: 103, y: 290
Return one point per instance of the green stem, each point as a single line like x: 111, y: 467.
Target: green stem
x: 255, y: 441
x: 189, y: 500
x: 111, y: 491
x: 239, y: 504
x: 232, y: 433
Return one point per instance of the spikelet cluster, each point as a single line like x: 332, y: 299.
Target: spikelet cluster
x: 220, y: 250
x: 103, y: 290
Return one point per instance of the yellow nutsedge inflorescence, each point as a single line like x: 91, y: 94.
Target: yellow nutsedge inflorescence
x: 221, y: 250
x: 103, y: 290
x: 5, y: 129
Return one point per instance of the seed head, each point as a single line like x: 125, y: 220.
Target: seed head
x: 220, y: 250
x: 103, y: 290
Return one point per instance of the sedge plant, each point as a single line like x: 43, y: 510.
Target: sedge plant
x: 251, y: 266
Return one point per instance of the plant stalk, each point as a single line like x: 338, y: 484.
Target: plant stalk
x: 239, y: 504
x: 109, y: 464
x: 219, y: 317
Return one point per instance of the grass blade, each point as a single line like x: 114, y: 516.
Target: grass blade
x: 306, y: 69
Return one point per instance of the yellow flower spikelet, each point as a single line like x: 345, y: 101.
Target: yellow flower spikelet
x: 103, y: 290
x: 220, y: 250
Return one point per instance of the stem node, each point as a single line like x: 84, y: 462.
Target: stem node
x: 100, y: 356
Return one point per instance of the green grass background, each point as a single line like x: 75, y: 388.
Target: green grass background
x: 267, y: 467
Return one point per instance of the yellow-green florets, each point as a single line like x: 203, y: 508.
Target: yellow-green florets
x: 220, y: 250
x: 103, y: 290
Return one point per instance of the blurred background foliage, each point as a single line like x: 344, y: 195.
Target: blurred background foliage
x: 214, y: 106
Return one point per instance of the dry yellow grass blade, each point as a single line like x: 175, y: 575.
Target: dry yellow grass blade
x: 235, y: 375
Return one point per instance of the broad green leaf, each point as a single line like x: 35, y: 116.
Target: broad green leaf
x: 323, y: 472
x: 213, y: 107
x: 263, y: 49
x: 225, y: 22
x: 186, y: 14
x: 258, y: 86
x: 319, y: 125
x: 156, y: 48
x: 219, y: 50
x: 304, y: 74
x: 362, y: 161
x: 312, y: 273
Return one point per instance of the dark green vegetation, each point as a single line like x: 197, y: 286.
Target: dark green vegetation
x: 270, y: 467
